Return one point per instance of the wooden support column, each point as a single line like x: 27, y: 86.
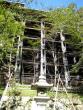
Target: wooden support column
x: 65, y: 62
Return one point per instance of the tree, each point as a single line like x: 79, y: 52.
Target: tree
x: 9, y: 29
x: 70, y: 20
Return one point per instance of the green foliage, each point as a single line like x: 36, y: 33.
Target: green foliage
x: 64, y: 18
x: 22, y: 91
x: 70, y: 20
x: 70, y: 95
x: 76, y: 68
x: 12, y: 103
x: 34, y: 43
x: 9, y: 29
x: 13, y: 91
x: 1, y: 90
x: 51, y: 94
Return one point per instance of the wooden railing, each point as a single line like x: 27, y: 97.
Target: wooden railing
x: 29, y: 78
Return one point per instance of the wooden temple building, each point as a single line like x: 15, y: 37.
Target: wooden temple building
x: 41, y: 50
x: 57, y: 56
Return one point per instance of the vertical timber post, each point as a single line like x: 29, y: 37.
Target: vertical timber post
x: 55, y: 66
x: 18, y: 64
x: 65, y: 62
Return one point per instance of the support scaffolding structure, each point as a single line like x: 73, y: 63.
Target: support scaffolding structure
x: 43, y: 62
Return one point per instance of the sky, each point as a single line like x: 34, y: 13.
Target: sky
x: 47, y: 4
